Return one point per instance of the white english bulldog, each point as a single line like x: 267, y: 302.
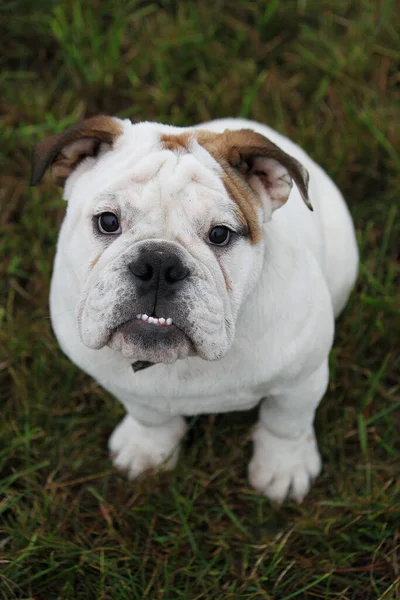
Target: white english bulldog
x: 191, y: 277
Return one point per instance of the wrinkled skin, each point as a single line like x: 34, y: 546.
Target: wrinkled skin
x: 171, y: 208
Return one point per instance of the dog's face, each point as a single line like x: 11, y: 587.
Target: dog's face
x: 164, y: 230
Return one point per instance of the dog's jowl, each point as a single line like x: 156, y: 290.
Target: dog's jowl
x: 200, y: 270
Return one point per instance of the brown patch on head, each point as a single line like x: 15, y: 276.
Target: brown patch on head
x: 247, y: 203
x: 245, y: 156
x: 246, y: 200
x: 177, y: 143
x: 64, y: 151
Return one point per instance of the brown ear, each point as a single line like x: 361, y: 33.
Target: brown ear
x: 264, y: 166
x: 64, y: 151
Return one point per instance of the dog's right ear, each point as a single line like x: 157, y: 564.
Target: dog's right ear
x: 64, y: 151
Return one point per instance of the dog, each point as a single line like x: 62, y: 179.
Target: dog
x: 192, y: 276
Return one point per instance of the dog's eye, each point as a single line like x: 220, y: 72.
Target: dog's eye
x: 108, y: 223
x: 219, y: 236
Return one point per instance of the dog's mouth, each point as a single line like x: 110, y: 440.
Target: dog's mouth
x: 148, y: 326
x: 151, y: 338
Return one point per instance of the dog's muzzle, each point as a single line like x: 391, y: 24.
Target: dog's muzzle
x: 155, y: 328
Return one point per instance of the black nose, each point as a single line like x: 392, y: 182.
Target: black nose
x: 158, y: 268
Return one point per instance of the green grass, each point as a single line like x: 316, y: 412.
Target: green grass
x: 324, y: 72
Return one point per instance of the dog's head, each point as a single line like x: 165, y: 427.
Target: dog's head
x: 164, y: 230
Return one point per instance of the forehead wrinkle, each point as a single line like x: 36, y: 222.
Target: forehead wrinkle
x: 152, y: 165
x: 185, y: 169
x: 176, y: 176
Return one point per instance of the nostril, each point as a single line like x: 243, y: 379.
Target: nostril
x: 142, y: 270
x: 176, y: 273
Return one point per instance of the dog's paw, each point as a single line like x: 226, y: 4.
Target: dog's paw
x: 283, y: 468
x: 135, y: 448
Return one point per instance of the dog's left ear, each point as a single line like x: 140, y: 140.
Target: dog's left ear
x: 64, y: 151
x: 267, y: 169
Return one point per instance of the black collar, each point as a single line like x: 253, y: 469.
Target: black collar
x: 139, y: 365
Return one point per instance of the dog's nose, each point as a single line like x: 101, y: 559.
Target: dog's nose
x: 158, y: 268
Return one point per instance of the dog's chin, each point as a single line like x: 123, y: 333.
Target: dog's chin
x: 139, y: 341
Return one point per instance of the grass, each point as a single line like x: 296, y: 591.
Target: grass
x: 326, y: 73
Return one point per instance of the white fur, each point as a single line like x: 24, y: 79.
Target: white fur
x: 268, y: 338
x: 136, y: 448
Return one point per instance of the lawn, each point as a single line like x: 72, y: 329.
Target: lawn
x: 323, y: 72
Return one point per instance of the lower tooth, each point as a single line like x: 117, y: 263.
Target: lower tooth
x: 154, y: 320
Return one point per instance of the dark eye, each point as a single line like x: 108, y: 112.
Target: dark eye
x: 219, y: 236
x: 108, y: 223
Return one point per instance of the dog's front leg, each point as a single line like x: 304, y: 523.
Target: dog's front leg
x: 136, y: 447
x: 286, y: 457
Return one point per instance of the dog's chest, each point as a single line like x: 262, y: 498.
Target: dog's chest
x: 196, y: 393
x: 243, y: 399
x: 188, y: 387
